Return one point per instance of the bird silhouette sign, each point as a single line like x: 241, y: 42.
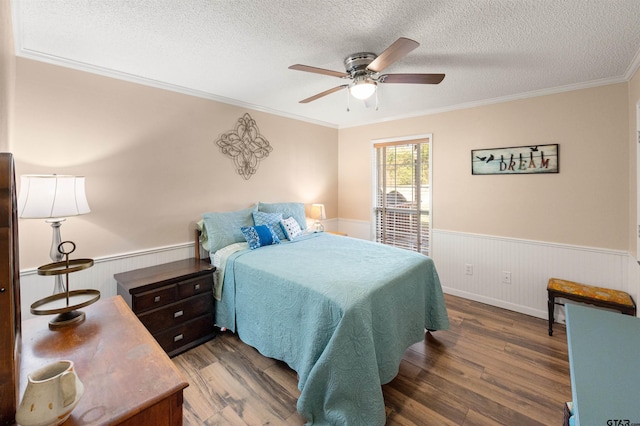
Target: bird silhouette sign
x: 515, y: 160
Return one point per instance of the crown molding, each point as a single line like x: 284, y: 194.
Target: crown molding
x: 106, y: 72
x: 132, y: 78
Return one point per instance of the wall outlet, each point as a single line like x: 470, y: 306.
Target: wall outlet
x: 468, y: 269
x: 506, y: 277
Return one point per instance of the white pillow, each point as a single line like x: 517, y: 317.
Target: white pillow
x: 290, y: 227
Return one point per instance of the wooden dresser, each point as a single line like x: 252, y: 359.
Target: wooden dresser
x: 128, y: 379
x: 174, y: 301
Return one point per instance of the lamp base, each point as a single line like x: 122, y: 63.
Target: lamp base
x: 54, y: 253
x: 318, y: 227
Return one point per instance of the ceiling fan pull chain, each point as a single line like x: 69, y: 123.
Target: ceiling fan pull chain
x: 347, y: 91
x: 376, y: 100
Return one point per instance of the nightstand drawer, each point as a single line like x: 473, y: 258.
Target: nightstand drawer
x: 177, y: 313
x: 186, y: 335
x: 154, y: 298
x: 195, y: 286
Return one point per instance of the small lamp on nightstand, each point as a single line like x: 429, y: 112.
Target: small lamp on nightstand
x: 54, y: 198
x: 317, y: 213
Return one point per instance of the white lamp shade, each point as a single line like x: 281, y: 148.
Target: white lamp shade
x: 51, y: 196
x: 362, y: 90
x: 317, y: 212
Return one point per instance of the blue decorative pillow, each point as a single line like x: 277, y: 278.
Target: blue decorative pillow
x: 291, y: 228
x: 258, y: 236
x: 270, y: 219
x: 295, y: 210
x: 224, y: 228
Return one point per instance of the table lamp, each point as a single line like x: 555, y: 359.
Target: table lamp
x: 54, y: 198
x: 317, y: 213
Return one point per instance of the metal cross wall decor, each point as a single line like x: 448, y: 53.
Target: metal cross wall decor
x: 245, y: 146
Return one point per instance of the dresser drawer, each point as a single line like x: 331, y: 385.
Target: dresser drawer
x: 186, y: 334
x: 195, y: 286
x: 154, y: 298
x: 177, y: 313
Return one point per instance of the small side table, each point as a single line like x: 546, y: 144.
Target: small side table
x: 174, y: 301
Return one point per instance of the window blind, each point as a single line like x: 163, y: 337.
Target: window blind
x: 402, y: 194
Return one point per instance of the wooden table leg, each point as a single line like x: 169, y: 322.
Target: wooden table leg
x: 550, y: 306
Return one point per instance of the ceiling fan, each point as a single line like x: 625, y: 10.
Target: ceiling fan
x: 364, y: 70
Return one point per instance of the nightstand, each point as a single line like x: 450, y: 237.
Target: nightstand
x: 174, y: 301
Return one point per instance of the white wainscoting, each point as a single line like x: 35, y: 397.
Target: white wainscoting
x: 356, y: 228
x: 531, y: 264
x: 34, y: 287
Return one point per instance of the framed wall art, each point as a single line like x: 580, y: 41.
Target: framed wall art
x: 516, y: 160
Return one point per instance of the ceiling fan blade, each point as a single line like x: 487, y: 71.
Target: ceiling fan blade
x: 398, y: 50
x: 411, y: 78
x: 321, y: 94
x: 307, y: 68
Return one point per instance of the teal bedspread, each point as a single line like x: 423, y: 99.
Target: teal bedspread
x: 339, y: 311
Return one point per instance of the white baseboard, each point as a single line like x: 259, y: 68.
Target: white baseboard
x: 496, y: 302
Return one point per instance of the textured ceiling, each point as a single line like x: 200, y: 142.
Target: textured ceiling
x: 238, y: 51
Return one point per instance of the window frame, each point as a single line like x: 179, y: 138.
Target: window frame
x: 403, y: 140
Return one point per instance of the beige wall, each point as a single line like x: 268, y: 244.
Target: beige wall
x: 634, y: 104
x: 152, y: 166
x: 586, y: 204
x: 7, y: 75
x: 150, y: 159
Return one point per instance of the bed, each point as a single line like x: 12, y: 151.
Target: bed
x: 339, y: 311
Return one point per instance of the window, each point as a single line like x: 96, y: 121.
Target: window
x: 402, y: 199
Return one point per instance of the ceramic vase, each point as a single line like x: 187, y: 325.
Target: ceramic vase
x: 51, y: 393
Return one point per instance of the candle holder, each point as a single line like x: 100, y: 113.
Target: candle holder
x: 67, y: 303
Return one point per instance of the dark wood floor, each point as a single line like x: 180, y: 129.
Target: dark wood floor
x: 493, y: 367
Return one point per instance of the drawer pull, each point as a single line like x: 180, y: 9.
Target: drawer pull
x: 196, y: 287
x: 178, y: 338
x: 178, y: 314
x: 156, y: 299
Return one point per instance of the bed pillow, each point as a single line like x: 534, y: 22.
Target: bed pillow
x: 270, y: 219
x: 259, y: 236
x: 291, y: 228
x: 295, y: 210
x: 224, y: 228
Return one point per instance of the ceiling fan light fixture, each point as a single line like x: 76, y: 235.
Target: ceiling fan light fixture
x: 362, y: 88
x: 364, y: 69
